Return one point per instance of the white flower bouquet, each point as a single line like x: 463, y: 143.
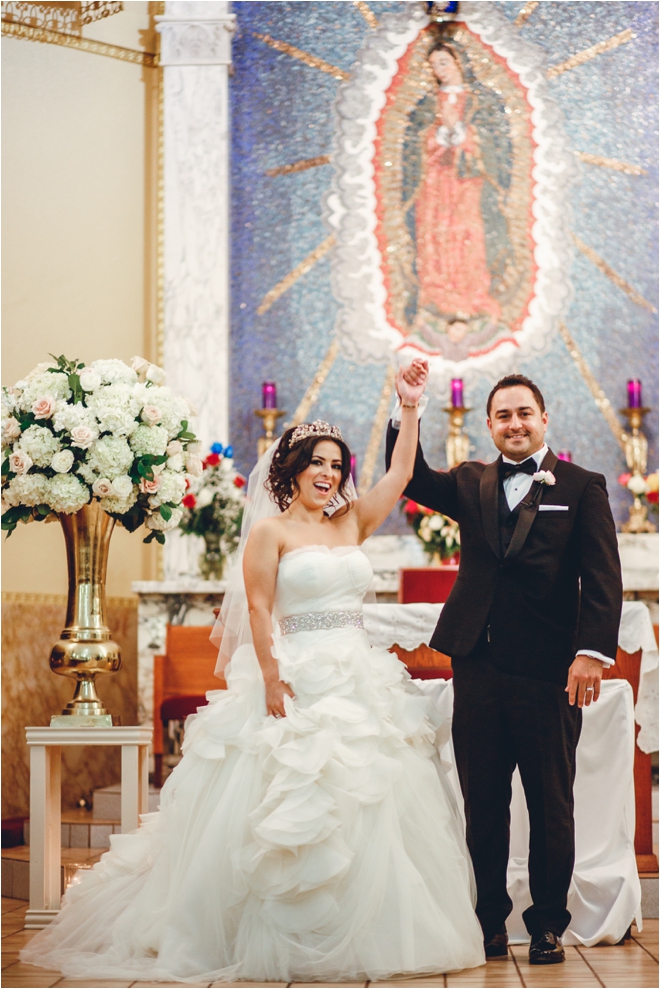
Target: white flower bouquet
x: 72, y: 432
x: 213, y: 508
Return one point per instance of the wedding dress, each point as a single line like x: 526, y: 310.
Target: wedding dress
x: 320, y: 846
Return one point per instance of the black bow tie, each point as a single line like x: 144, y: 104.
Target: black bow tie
x: 526, y: 467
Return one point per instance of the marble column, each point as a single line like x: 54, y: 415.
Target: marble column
x: 196, y: 55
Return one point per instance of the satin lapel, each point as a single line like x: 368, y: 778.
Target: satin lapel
x: 488, y: 493
x: 529, y: 506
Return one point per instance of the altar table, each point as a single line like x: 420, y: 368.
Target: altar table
x: 605, y: 892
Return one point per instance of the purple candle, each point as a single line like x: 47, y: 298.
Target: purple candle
x: 269, y: 395
x: 635, y: 394
x: 457, y: 393
x: 354, y: 468
x: 565, y: 455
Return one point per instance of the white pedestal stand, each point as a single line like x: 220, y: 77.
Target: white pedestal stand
x: 45, y: 746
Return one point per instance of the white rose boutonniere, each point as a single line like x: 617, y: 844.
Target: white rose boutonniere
x: 544, y: 477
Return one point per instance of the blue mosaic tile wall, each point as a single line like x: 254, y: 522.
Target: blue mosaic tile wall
x: 282, y: 112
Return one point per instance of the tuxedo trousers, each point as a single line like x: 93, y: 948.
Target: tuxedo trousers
x: 502, y: 721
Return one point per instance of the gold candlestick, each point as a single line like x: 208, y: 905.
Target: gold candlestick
x: 269, y: 419
x: 636, y: 458
x: 458, y: 442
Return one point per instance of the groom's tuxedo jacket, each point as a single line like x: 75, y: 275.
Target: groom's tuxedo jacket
x: 540, y: 584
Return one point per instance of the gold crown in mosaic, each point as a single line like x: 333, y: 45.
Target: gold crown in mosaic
x: 316, y: 428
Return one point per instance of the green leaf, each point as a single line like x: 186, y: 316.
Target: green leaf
x: 5, y: 467
x: 158, y: 536
x: 43, y: 510
x: 144, y: 470
x: 166, y: 512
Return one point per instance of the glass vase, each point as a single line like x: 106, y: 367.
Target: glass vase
x: 212, y: 560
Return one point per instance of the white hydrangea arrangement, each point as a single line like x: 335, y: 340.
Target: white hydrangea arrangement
x: 72, y: 432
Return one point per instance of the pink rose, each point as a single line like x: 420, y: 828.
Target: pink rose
x: 151, y: 414
x: 83, y: 437
x: 150, y: 487
x: 140, y: 366
x: 102, y: 488
x: 43, y: 408
x: 19, y: 462
x: 11, y: 429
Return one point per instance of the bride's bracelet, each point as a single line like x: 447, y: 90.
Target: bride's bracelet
x: 409, y: 406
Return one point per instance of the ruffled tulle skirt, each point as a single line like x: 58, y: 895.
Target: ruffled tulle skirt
x: 321, y: 846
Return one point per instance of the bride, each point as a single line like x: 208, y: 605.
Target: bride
x: 308, y: 832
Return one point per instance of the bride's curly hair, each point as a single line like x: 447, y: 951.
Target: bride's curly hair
x: 290, y: 461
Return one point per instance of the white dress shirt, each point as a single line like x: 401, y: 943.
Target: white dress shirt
x: 515, y: 489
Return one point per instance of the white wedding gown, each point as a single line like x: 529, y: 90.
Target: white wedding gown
x: 321, y: 846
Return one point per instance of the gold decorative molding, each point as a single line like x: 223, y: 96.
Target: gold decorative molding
x: 618, y: 166
x: 599, y: 396
x: 367, y: 13
x: 67, y: 17
x: 44, y: 36
x: 34, y: 600
x: 299, y: 166
x: 585, y: 56
x: 301, y: 269
x: 376, y: 436
x: 311, y: 60
x: 620, y: 282
x: 314, y: 390
x: 526, y: 13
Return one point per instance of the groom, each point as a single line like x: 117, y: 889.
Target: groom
x: 530, y: 623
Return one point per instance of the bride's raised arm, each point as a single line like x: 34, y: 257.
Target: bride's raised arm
x: 373, y: 508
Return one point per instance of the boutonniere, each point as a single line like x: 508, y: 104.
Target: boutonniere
x: 544, y: 477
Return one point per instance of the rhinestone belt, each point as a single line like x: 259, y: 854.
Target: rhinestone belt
x: 321, y: 620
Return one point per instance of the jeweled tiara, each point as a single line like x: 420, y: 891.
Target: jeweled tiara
x: 316, y: 428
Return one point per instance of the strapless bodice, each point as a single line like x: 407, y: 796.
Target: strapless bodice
x: 317, y: 578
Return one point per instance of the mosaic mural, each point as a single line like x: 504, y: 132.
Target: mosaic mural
x: 482, y: 192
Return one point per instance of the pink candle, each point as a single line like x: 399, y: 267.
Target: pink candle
x: 457, y: 393
x: 565, y: 455
x: 354, y: 468
x: 635, y: 394
x: 269, y: 395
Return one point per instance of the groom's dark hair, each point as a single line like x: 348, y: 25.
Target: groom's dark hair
x: 509, y: 381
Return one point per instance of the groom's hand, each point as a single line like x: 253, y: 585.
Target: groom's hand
x: 584, y: 676
x: 411, y: 381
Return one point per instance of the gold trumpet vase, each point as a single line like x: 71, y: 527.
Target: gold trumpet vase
x: 85, y: 649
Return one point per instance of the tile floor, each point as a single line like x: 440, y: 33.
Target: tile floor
x: 632, y: 965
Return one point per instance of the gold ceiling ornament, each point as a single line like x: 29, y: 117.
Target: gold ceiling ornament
x: 314, y: 390
x: 311, y: 60
x: 585, y: 56
x: 301, y: 269
x: 376, y: 436
x: 599, y: 396
x: 614, y: 163
x: 299, y: 166
x: 620, y: 282
x: 25, y: 33
x: 65, y: 17
x: 526, y: 13
x: 367, y: 13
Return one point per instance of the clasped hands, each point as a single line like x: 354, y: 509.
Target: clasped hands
x: 411, y: 381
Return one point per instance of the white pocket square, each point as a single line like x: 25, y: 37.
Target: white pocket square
x: 553, y: 508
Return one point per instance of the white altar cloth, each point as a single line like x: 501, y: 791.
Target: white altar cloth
x: 605, y: 893
x: 411, y: 625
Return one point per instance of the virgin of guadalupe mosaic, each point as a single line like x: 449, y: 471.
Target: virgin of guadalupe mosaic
x: 449, y: 195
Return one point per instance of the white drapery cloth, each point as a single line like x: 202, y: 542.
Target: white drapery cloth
x: 412, y: 625
x: 605, y: 892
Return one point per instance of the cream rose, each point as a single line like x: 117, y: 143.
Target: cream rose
x: 83, y: 437
x: 102, y: 488
x: 19, y: 462
x: 151, y: 414
x: 44, y: 407
x: 150, y: 487
x: 139, y: 365
x: 11, y: 429
x: 194, y: 465
x: 62, y: 462
x: 122, y: 486
x: 175, y: 462
x: 90, y: 379
x: 637, y: 485
x: 155, y: 375
x: 174, y: 447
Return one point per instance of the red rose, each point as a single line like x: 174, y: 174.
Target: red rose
x: 189, y: 501
x: 187, y: 483
x: 624, y: 478
x: 652, y: 496
x: 212, y: 460
x: 411, y: 507
x: 239, y: 481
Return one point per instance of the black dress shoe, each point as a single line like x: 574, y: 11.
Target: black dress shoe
x: 546, y: 949
x: 498, y: 945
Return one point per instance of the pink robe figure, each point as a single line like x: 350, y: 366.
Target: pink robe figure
x: 451, y: 248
